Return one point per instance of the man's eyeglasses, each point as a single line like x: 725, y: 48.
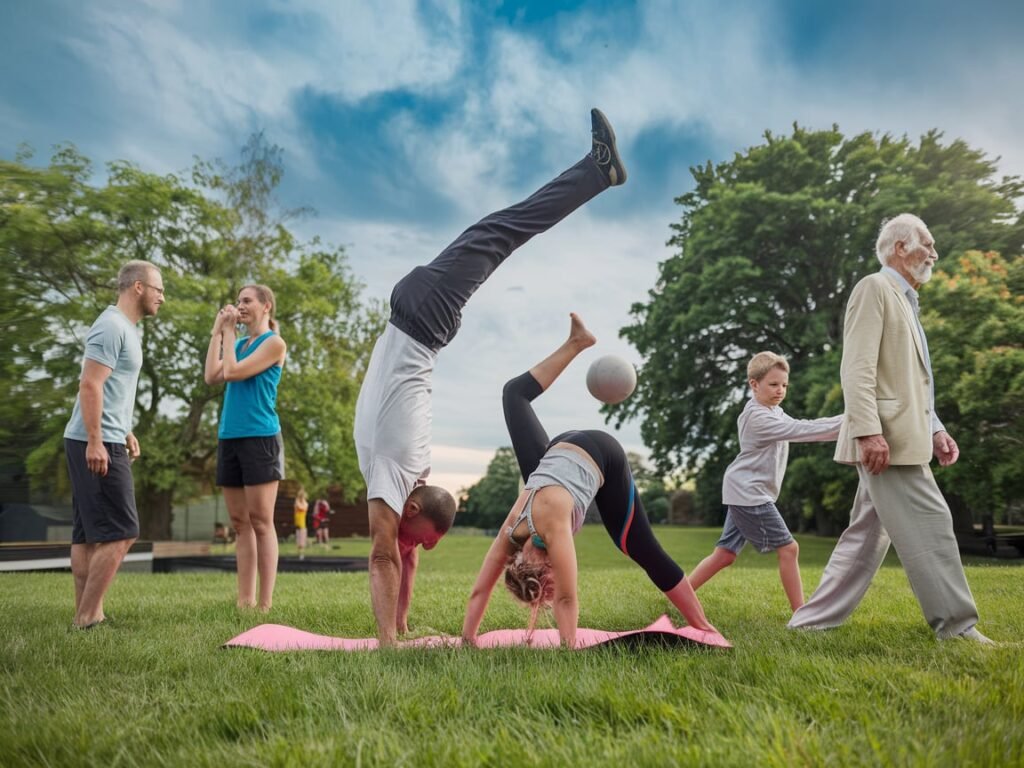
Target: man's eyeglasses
x: 159, y: 291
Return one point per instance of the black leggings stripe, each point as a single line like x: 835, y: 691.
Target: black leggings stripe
x: 618, y: 502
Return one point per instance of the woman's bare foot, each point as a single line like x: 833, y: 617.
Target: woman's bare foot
x: 579, y: 336
x: 551, y: 367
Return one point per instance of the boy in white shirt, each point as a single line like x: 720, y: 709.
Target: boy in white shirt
x: 752, y: 482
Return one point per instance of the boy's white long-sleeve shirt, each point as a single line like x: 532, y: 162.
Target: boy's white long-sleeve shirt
x: 755, y: 475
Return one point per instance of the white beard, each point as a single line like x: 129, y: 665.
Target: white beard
x: 922, y: 273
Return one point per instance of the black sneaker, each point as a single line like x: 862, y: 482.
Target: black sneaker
x: 603, y: 149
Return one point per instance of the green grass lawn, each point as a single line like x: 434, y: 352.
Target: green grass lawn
x: 156, y: 688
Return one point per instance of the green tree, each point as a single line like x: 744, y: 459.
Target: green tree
x: 215, y: 230
x: 486, y: 503
x: 973, y: 310
x: 769, y: 245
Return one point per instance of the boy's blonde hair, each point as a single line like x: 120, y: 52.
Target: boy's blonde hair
x: 763, y: 362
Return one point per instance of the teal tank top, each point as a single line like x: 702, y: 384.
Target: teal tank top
x: 250, y: 405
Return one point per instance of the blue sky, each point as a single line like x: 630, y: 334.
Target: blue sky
x: 403, y: 122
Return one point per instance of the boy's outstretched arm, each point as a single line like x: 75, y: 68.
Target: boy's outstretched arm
x: 777, y: 429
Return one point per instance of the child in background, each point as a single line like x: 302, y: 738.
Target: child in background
x: 221, y: 534
x: 752, y: 482
x: 301, y: 507
x: 321, y: 513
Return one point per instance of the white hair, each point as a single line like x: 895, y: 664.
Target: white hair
x: 905, y: 228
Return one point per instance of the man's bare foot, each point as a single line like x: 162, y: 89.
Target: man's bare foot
x: 579, y: 336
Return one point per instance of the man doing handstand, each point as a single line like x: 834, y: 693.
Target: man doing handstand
x: 393, y: 412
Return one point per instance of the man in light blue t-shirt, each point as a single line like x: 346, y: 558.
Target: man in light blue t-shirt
x: 99, y: 443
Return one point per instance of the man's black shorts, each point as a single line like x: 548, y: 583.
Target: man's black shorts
x: 104, y: 507
x: 250, y: 461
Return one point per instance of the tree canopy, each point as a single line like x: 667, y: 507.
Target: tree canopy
x: 210, y: 230
x: 486, y: 503
x: 767, y: 249
x: 974, y: 314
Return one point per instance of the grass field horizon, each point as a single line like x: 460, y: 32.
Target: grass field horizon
x: 156, y: 688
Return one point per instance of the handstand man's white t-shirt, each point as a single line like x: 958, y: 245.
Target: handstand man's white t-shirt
x: 393, y: 417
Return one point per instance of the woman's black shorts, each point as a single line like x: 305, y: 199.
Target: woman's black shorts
x: 249, y: 461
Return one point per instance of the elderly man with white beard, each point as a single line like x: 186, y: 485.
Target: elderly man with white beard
x: 890, y: 431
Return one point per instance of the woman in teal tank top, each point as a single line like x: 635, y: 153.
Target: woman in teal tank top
x: 250, y: 452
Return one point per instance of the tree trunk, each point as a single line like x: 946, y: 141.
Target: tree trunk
x: 963, y: 519
x: 824, y: 524
x: 155, y: 514
x: 680, y: 509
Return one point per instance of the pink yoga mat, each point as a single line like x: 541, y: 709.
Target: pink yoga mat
x: 275, y: 637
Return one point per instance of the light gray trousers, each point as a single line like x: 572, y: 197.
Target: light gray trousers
x: 902, y: 505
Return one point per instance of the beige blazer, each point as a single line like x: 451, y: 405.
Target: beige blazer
x: 884, y: 376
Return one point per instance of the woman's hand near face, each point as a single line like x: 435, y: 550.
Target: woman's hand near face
x: 230, y: 316
x: 226, y: 315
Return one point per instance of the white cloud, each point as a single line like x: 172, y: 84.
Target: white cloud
x: 455, y: 468
x: 204, y: 86
x: 365, y: 48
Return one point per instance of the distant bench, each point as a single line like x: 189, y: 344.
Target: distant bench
x: 992, y: 543
x: 180, y: 549
x: 161, y: 557
x: 52, y: 556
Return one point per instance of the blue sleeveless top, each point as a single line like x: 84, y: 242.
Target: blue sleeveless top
x: 250, y: 405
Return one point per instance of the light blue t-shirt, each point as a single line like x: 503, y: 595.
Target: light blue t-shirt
x: 113, y: 341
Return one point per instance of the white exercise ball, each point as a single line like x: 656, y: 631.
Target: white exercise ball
x: 611, y: 379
